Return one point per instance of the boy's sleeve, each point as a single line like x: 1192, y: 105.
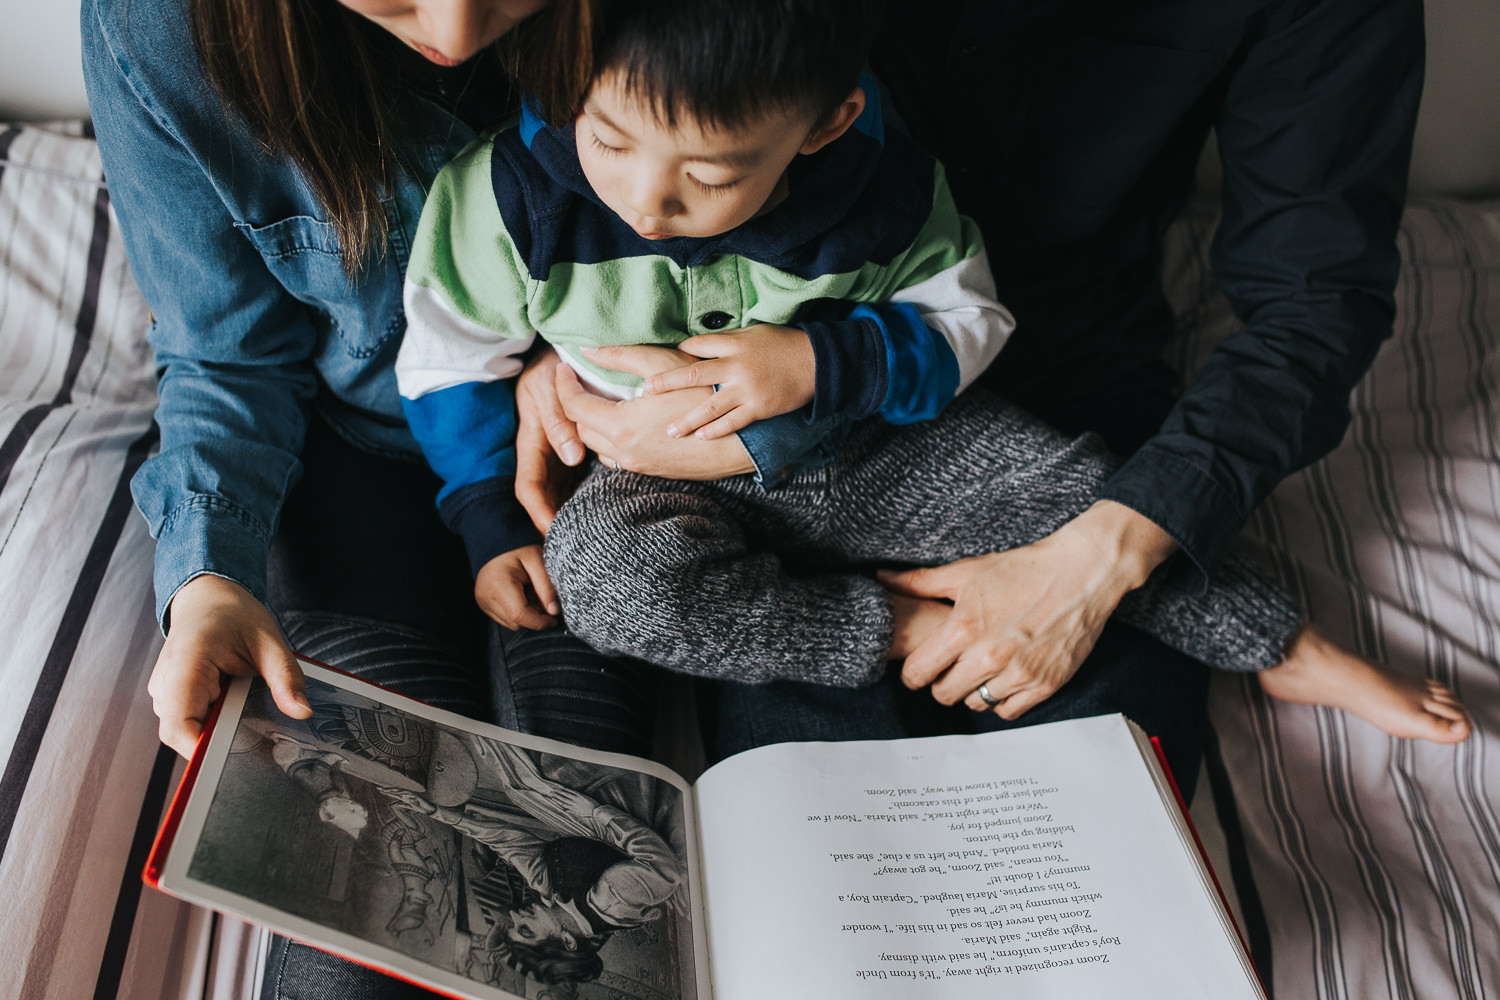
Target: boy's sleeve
x: 928, y: 325
x: 466, y: 327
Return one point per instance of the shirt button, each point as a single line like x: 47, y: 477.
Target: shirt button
x: 715, y: 320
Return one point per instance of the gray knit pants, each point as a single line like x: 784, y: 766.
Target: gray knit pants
x: 724, y: 579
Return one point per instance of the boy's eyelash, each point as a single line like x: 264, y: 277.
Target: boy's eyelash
x: 712, y: 189
x: 709, y: 189
x: 601, y: 147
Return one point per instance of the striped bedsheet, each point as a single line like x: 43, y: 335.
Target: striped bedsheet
x: 1365, y: 868
x: 1368, y: 867
x: 85, y: 780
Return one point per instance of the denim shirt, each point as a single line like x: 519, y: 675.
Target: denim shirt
x: 254, y: 320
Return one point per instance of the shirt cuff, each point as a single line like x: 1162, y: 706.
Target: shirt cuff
x: 850, y: 374
x: 490, y: 520
x: 780, y: 445
x: 1184, y: 501
x: 209, y: 535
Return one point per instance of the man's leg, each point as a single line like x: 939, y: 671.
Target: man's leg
x: 1159, y: 689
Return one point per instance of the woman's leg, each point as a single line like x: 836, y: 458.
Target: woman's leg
x: 365, y: 577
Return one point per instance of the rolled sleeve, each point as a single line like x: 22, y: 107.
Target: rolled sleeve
x: 208, y: 536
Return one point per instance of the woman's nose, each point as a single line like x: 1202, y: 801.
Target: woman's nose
x: 458, y: 28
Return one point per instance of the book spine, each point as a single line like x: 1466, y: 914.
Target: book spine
x: 151, y: 875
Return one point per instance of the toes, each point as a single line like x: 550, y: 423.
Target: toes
x: 1447, y: 710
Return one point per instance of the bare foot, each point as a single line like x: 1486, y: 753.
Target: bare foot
x: 1319, y: 672
x: 916, y: 619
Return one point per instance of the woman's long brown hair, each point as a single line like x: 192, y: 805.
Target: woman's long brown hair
x: 303, y: 76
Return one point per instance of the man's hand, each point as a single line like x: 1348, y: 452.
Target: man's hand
x: 218, y: 628
x: 634, y: 432
x: 548, y: 450
x: 761, y: 371
x: 513, y: 588
x: 1024, y: 620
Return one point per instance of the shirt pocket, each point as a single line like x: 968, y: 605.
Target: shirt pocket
x: 303, y: 253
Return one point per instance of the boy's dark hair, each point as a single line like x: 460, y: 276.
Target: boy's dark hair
x: 727, y: 62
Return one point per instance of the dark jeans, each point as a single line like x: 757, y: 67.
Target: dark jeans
x: 1158, y: 688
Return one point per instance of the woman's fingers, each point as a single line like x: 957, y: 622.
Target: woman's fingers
x: 935, y: 655
x: 937, y: 583
x: 691, y: 376
x: 538, y: 406
x: 283, y: 675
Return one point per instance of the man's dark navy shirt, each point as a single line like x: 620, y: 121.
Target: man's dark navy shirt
x: 1071, y: 130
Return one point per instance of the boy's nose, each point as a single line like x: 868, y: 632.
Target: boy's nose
x: 655, y: 198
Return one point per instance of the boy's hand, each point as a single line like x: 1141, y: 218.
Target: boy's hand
x: 761, y: 371
x: 514, y: 590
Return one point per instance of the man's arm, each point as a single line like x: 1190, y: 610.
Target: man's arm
x: 1315, y: 136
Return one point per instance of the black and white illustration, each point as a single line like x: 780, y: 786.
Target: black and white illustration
x: 536, y: 874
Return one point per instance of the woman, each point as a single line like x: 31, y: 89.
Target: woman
x: 268, y: 161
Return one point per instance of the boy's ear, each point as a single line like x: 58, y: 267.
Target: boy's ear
x: 837, y: 123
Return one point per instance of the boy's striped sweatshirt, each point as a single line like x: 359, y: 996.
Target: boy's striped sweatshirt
x: 866, y: 253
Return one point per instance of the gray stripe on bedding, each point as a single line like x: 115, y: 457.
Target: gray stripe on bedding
x: 92, y: 790
x: 83, y: 332
x: 1425, y: 394
x: 1296, y: 849
x: 75, y: 616
x: 122, y: 922
x: 1338, y: 774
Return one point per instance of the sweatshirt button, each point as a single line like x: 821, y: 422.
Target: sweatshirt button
x: 714, y: 320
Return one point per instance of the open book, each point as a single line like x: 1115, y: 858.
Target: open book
x: 1046, y: 862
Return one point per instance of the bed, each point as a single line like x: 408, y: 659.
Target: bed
x: 1361, y: 866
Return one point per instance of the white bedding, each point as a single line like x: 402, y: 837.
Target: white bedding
x: 1366, y: 868
x: 1376, y: 862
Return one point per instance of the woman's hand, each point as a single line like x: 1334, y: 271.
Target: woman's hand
x: 218, y: 628
x: 548, y: 451
x: 1024, y: 620
x: 634, y: 432
x: 761, y: 371
x: 514, y: 589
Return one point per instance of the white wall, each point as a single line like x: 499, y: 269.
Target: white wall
x: 40, y: 75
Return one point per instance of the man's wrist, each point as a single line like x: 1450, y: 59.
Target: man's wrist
x: 1132, y: 542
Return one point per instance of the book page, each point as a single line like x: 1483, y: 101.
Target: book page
x: 1035, y: 863
x: 467, y: 858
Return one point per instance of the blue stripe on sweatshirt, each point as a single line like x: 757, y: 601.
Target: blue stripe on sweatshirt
x: 922, y: 371
x: 467, y: 431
